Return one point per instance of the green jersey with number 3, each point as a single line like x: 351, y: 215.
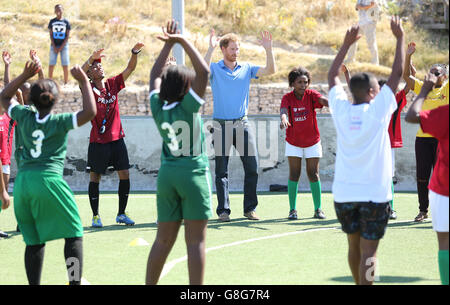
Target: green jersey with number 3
x: 44, y: 141
x: 181, y: 128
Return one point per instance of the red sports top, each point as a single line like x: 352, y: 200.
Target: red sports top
x: 435, y: 122
x: 303, y: 131
x: 395, y: 127
x: 107, y: 110
x: 6, y: 138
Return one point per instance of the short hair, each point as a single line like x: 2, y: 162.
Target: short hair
x: 175, y: 83
x: 59, y: 5
x: 225, y: 40
x: 297, y: 72
x: 44, y: 93
x: 360, y: 84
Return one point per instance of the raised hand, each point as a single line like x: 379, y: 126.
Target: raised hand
x: 411, y: 49
x: 170, y: 32
x: 266, y: 40
x: 6, y: 58
x: 31, y: 68
x: 137, y: 47
x: 78, y: 74
x: 213, y: 39
x: 96, y: 55
x: 34, y: 57
x: 396, y: 26
x: 352, y: 35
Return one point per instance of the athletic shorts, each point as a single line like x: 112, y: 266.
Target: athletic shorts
x: 369, y: 218
x: 439, y: 211
x: 314, y: 151
x: 183, y: 193
x: 102, y: 156
x: 6, y: 169
x: 45, y: 208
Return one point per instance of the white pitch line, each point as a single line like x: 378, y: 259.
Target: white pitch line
x: 170, y: 265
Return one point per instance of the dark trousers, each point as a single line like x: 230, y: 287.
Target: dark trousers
x: 425, y: 160
x: 225, y: 135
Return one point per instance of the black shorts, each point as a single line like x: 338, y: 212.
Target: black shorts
x: 113, y: 154
x: 369, y: 218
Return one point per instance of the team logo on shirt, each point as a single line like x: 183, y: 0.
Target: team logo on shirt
x: 300, y: 114
x: 103, y: 100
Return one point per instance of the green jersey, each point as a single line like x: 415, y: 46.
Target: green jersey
x: 181, y: 128
x: 18, y: 143
x: 43, y: 141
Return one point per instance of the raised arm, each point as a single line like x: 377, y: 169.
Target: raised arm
x: 213, y: 43
x: 266, y: 42
x: 7, y: 61
x: 89, y: 108
x: 31, y: 68
x: 351, y: 36
x: 347, y: 75
x: 132, y: 63
x: 399, y: 59
x: 36, y: 59
x: 413, y: 114
x: 170, y: 37
x: 410, y: 50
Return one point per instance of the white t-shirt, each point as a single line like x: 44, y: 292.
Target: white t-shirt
x: 371, y: 15
x: 363, y: 168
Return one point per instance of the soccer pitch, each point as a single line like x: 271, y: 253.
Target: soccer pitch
x: 272, y: 251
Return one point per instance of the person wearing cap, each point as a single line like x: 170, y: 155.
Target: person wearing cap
x: 106, y: 144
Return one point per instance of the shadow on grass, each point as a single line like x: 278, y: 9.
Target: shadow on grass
x: 117, y: 227
x: 384, y: 279
x: 411, y: 224
x: 258, y: 224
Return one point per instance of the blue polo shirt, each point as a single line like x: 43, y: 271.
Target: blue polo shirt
x: 230, y: 89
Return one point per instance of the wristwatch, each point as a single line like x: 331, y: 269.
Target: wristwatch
x: 134, y: 52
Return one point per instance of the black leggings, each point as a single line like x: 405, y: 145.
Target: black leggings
x: 73, y: 253
x: 425, y: 160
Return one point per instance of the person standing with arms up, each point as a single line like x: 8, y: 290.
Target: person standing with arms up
x: 44, y: 204
x: 230, y: 85
x: 362, y: 180
x: 106, y: 144
x: 184, y: 180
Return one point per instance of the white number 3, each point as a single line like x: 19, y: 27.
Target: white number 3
x: 173, y: 145
x: 39, y: 134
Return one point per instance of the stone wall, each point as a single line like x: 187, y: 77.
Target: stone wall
x: 264, y: 99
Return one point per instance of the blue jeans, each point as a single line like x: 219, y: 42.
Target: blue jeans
x: 235, y: 133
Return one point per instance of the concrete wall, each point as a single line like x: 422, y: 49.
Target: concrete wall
x: 144, y: 148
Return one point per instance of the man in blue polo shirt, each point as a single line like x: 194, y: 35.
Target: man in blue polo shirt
x: 230, y: 85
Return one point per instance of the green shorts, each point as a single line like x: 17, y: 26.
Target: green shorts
x: 183, y: 193
x: 45, y: 208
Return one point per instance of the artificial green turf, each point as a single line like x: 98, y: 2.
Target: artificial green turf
x: 306, y: 251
